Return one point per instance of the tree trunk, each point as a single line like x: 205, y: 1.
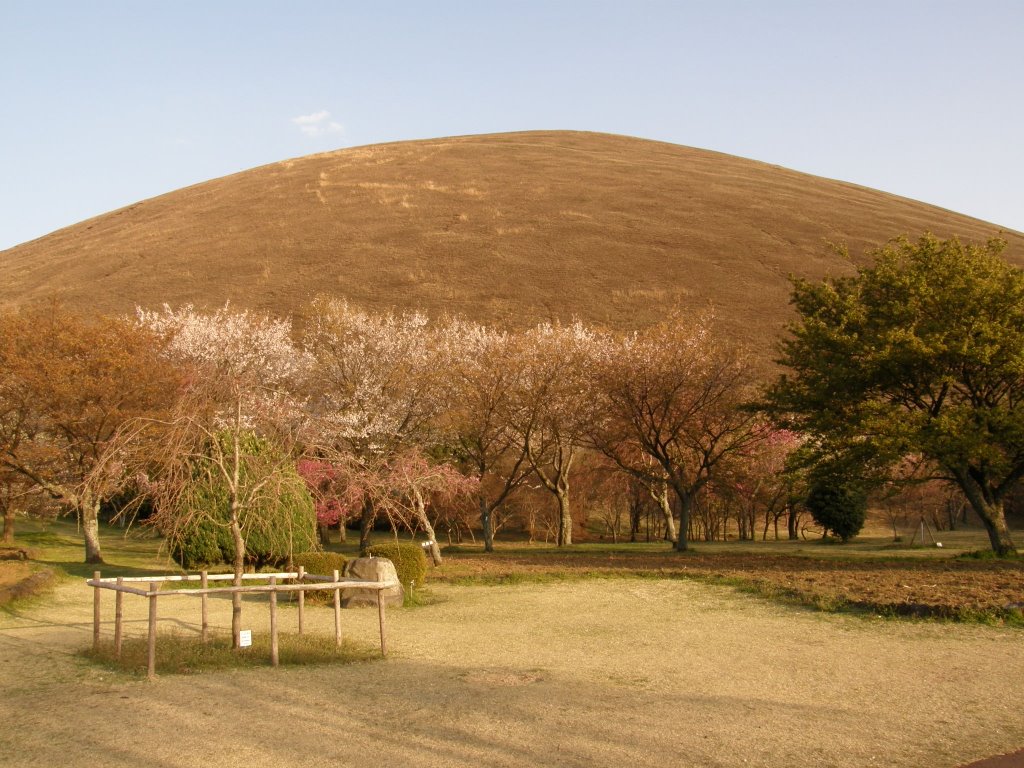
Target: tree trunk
x: 342, y: 533
x: 9, y: 524
x: 239, y: 568
x: 325, y: 534
x: 91, y: 531
x: 999, y: 537
x: 366, y: 525
x: 661, y: 496
x: 685, y: 506
x: 487, y: 524
x: 421, y: 515
x: 990, y: 509
x: 236, y: 530
x: 564, y: 518
x: 793, y: 524
x: 635, y: 514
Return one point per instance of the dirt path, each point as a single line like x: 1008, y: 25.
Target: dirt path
x: 592, y: 673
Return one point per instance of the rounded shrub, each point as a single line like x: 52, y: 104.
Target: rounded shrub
x: 408, y: 557
x: 320, y: 563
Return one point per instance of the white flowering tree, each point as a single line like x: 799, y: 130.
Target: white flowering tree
x: 380, y: 388
x: 485, y: 374
x: 244, y: 370
x: 553, y: 406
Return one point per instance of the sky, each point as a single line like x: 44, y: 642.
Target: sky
x: 104, y: 103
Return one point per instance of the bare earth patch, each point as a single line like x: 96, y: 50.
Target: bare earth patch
x: 948, y: 588
x: 639, y: 672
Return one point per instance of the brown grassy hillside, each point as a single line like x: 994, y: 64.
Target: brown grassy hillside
x: 508, y: 227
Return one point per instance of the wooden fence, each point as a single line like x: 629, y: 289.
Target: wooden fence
x: 300, y: 584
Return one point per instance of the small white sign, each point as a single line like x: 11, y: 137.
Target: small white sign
x: 244, y: 638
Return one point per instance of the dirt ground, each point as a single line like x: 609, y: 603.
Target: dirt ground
x: 926, y: 587
x: 637, y: 672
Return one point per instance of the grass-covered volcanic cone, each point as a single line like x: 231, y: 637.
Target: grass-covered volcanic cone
x: 510, y: 228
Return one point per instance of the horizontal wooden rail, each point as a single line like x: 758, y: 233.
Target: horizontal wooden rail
x: 209, y: 577
x: 320, y: 585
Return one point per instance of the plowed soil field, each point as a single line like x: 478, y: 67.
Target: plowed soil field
x: 948, y: 588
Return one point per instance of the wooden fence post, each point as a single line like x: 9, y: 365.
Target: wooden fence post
x: 273, y: 622
x: 380, y: 616
x: 151, y: 665
x: 337, y: 611
x: 118, y: 618
x: 96, y: 612
x: 204, y: 632
x: 302, y: 596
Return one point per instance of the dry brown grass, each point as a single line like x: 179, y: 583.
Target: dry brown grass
x: 509, y: 227
x: 589, y: 673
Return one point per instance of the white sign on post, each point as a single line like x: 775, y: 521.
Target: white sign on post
x: 244, y: 638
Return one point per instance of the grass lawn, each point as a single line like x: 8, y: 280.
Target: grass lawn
x: 596, y: 656
x: 871, y: 575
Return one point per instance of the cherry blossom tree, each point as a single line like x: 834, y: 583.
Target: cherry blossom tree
x: 380, y: 390
x: 756, y: 479
x: 553, y: 406
x: 333, y: 497
x: 244, y: 371
x: 484, y: 375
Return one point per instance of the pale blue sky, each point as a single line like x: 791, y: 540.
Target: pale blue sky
x: 105, y: 103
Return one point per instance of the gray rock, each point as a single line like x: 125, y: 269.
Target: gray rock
x: 371, y: 569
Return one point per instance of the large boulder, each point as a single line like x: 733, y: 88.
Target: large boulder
x: 371, y: 569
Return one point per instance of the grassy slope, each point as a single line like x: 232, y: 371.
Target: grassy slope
x: 508, y: 227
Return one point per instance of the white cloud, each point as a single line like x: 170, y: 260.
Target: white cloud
x: 318, y: 124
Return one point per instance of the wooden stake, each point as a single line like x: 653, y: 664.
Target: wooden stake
x: 204, y: 632
x: 337, y: 612
x: 302, y: 596
x: 151, y: 666
x: 118, y: 618
x: 96, y: 612
x: 274, y: 660
x: 380, y: 616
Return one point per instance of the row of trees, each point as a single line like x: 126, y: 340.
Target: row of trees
x: 915, y: 361
x: 387, y: 412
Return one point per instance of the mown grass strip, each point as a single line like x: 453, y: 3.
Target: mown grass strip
x: 178, y: 654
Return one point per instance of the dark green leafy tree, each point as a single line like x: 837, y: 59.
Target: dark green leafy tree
x: 837, y: 502
x: 920, y: 355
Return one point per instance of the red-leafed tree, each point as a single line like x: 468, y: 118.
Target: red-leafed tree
x: 68, y: 386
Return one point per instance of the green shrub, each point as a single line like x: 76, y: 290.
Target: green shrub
x: 408, y: 557
x: 320, y: 563
x: 199, y: 545
x: 273, y: 526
